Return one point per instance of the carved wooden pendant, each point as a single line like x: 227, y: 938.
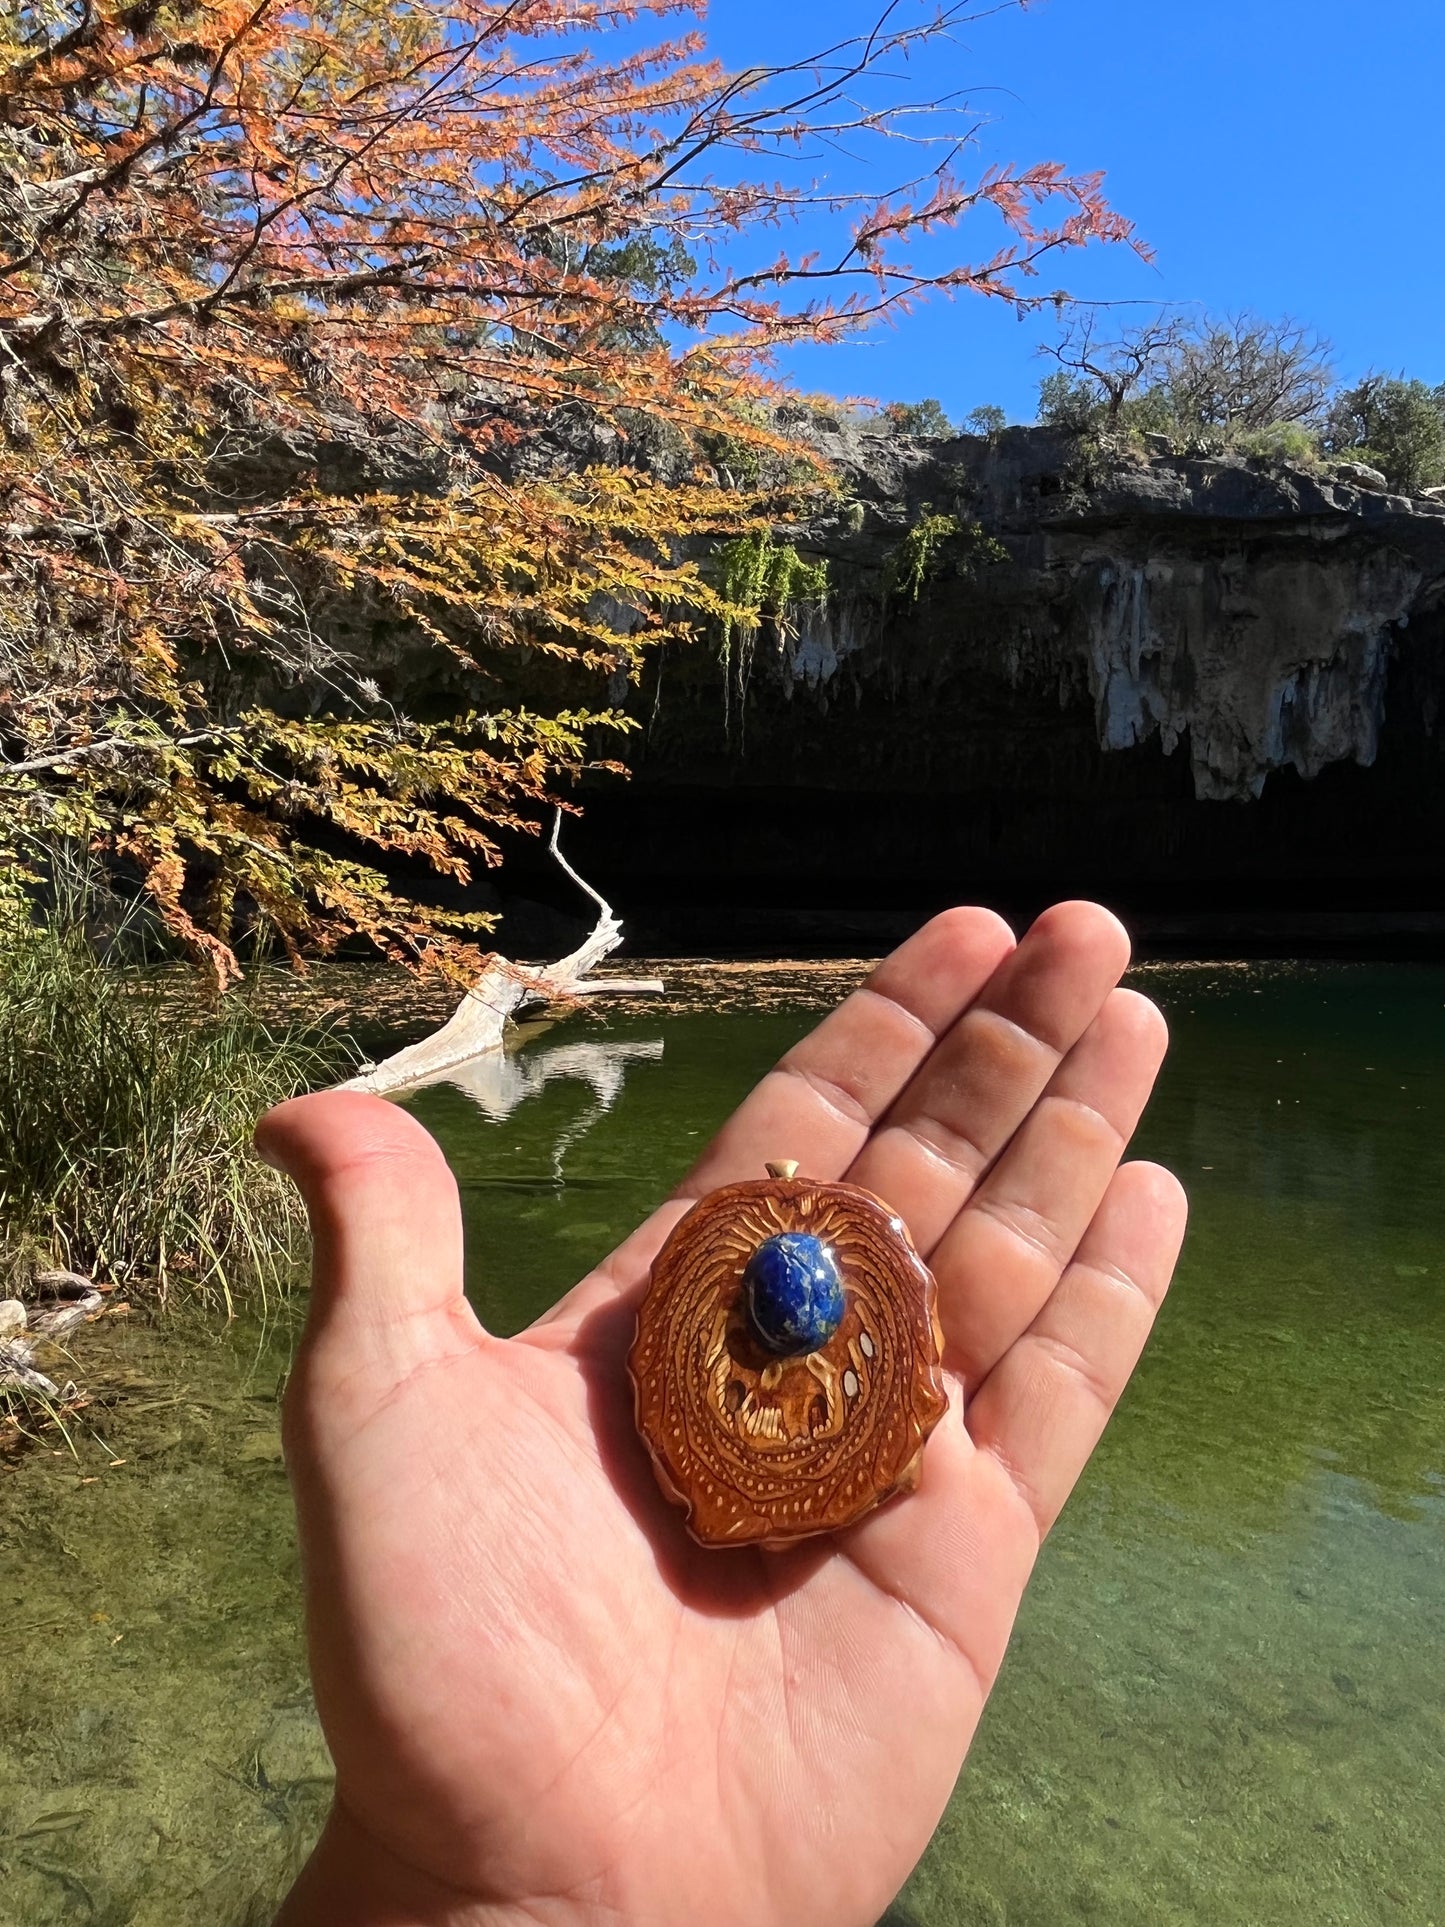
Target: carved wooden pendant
x: 786, y: 1363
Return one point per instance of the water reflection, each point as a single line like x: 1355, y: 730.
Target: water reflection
x: 500, y: 1081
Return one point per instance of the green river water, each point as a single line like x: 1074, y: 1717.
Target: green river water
x: 1225, y: 1701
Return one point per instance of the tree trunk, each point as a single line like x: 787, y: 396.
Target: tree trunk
x: 478, y: 1024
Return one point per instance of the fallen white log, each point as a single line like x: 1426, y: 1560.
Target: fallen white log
x: 478, y: 1024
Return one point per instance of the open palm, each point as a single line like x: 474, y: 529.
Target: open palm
x: 546, y: 1703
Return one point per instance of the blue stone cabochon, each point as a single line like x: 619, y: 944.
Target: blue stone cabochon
x: 794, y: 1293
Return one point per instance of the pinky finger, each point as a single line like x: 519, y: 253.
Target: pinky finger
x: 1042, y: 1408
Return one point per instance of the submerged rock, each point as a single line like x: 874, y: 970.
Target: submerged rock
x: 17, y: 1373
x: 67, y: 1299
x: 61, y: 1300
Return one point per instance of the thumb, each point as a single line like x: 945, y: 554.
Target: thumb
x: 386, y: 1228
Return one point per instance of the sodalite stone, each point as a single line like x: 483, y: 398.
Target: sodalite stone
x: 794, y: 1293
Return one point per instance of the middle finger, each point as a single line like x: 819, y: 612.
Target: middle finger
x: 983, y: 1077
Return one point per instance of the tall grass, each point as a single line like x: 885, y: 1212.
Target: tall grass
x: 127, y: 1100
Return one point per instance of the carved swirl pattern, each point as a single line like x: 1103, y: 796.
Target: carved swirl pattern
x: 767, y: 1450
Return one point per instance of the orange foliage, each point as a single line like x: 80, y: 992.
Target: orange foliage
x: 339, y: 335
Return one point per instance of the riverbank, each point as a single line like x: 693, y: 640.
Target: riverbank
x: 684, y: 918
x: 376, y: 1008
x: 1179, y: 934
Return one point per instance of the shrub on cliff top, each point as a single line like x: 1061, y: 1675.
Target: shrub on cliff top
x: 1257, y: 387
x: 1214, y: 381
x: 1395, y: 425
x: 925, y: 418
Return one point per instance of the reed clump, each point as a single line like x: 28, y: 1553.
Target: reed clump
x: 127, y: 1101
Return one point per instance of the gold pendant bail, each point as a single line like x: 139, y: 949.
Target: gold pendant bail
x: 785, y: 1168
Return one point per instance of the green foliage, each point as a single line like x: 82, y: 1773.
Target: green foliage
x: 1395, y: 425
x: 1235, y: 383
x: 754, y: 461
x: 933, y: 542
x: 1068, y: 403
x: 925, y: 418
x: 989, y: 420
x: 741, y: 464
x: 761, y: 580
x: 127, y: 1100
x: 642, y: 264
x: 1079, y: 408
x: 1290, y: 443
x: 915, y: 560
x: 1151, y: 413
x: 1256, y: 388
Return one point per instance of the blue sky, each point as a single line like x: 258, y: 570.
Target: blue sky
x: 1284, y: 156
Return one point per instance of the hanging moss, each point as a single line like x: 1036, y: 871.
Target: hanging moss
x: 763, y: 580
x: 933, y: 543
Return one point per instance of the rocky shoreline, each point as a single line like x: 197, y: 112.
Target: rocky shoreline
x: 55, y: 1304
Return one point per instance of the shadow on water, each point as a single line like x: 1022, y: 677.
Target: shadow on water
x: 1223, y: 1704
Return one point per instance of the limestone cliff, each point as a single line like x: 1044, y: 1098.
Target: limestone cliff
x: 1246, y: 612
x: 1153, y: 673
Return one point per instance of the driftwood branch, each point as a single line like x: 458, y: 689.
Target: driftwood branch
x: 478, y: 1024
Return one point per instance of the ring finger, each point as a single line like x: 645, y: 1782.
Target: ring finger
x: 1005, y: 1251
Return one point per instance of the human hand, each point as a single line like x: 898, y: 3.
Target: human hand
x: 544, y: 1702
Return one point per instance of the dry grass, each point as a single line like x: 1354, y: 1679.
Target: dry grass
x: 126, y: 1118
